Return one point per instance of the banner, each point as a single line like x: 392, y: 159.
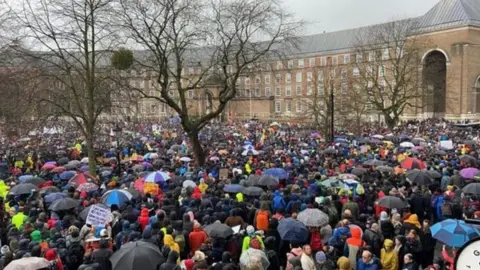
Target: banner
x: 97, y: 216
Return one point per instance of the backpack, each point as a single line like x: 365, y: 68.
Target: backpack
x: 180, y: 240
x: 446, y: 209
x: 75, y: 254
x: 332, y: 214
x: 316, y: 241
x: 262, y: 220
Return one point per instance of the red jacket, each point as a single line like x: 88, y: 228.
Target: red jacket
x: 196, y: 238
x: 197, y: 195
x: 143, y: 219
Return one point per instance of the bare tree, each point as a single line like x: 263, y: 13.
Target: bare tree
x: 73, y: 41
x: 191, y: 45
x: 388, y: 57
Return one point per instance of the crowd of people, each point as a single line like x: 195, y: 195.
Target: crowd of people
x: 269, y: 197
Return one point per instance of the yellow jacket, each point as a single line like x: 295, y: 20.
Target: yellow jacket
x: 388, y: 256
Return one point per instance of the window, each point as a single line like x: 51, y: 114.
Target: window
x: 288, y: 106
x: 278, y: 106
x: 344, y: 88
x: 288, y: 91
x: 311, y: 62
x: 323, y: 61
x: 381, y: 71
x: 298, y: 90
x: 278, y: 91
x: 369, y: 71
x: 288, y: 78
x: 257, y: 92
x: 278, y: 77
x: 298, y: 106
x: 144, y: 73
x: 190, y: 94
x: 356, y: 72
x: 191, y: 70
x: 247, y: 80
x: 334, y: 60
x: 267, y: 79
x: 301, y: 63
x: 309, y: 78
x: 132, y: 83
x: 343, y: 74
x: 133, y: 72
x: 248, y: 93
x: 369, y: 84
x: 385, y: 54
x: 320, y: 89
x: 381, y: 85
x: 290, y: 64
x: 257, y: 80
x: 346, y: 59
x: 279, y: 65
x: 309, y: 90
x: 320, y: 76
x: 359, y: 58
x: 371, y: 56
x: 162, y: 108
x: 298, y: 77
x: 332, y: 73
x: 267, y: 92
x: 141, y: 84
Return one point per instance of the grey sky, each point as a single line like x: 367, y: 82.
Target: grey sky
x: 332, y: 15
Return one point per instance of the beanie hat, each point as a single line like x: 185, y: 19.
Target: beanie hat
x: 383, y: 216
x: 4, y: 249
x: 320, y: 256
x: 250, y: 230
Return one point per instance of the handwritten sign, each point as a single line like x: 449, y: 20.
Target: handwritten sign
x: 223, y: 173
x: 97, y: 216
x: 151, y: 188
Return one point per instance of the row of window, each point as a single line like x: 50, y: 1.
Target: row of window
x: 288, y: 106
x: 288, y: 91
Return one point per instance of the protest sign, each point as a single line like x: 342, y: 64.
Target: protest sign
x: 97, y: 216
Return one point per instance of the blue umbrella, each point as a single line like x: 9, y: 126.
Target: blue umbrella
x: 292, y: 230
x: 67, y: 175
x: 25, y: 177
x: 233, y: 188
x: 55, y: 196
x: 116, y: 196
x: 277, y: 172
x: 247, y: 143
x: 106, y: 173
x: 452, y: 232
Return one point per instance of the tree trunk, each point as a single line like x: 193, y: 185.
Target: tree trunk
x: 390, y: 121
x: 91, y: 150
x: 197, y: 148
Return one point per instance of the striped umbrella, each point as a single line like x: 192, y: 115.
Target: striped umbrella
x: 413, y: 163
x: 157, y: 177
x: 80, y: 178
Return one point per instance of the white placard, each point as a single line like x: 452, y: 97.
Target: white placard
x: 447, y: 145
x: 236, y: 229
x: 97, y: 216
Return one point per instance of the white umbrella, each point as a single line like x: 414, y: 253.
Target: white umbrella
x: 188, y: 183
x: 28, y: 263
x: 84, y: 160
x: 153, y: 156
x: 275, y: 124
x: 214, y: 158
x: 378, y: 136
x: 407, y: 145
x: 254, y: 152
x: 185, y: 159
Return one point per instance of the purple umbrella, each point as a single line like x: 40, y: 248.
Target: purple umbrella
x: 84, y: 168
x: 146, y: 164
x: 469, y: 173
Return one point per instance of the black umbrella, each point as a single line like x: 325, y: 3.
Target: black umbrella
x: 253, y: 180
x: 472, y: 188
x: 61, y: 152
x: 434, y: 174
x: 469, y: 142
x: 23, y: 189
x: 35, y: 181
x: 391, y: 202
x: 137, y: 255
x: 373, y: 162
x: 63, y: 204
x: 420, y: 177
x: 441, y: 152
x: 252, y: 191
x: 218, y: 230
x: 267, y: 181
x: 359, y: 171
x: 83, y: 215
x: 63, y: 161
x: 70, y: 166
x: 330, y: 151
x: 385, y: 169
x: 47, y: 190
x: 467, y: 158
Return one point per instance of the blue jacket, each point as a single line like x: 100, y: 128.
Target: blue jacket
x: 338, y: 233
x: 437, y: 204
x: 363, y: 266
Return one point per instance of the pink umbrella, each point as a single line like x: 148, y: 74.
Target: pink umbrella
x: 48, y: 166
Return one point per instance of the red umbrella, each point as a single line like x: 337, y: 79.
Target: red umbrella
x: 413, y: 163
x: 48, y: 166
x: 59, y: 169
x: 80, y: 178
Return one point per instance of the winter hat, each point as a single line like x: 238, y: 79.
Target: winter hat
x: 383, y: 216
x: 250, y: 230
x: 4, y: 249
x: 198, y: 256
x: 320, y: 256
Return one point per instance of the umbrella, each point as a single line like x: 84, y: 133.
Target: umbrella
x: 267, y: 181
x: 48, y: 166
x: 63, y: 161
x: 116, y: 196
x: 252, y: 191
x: 469, y: 142
x: 218, y: 230
x: 48, y: 190
x: 80, y: 178
x: 384, y: 169
x: 185, y: 159
x: 67, y: 175
x: 391, y: 202
x: 253, y: 180
x: 467, y: 158
x: 313, y: 217
x: 83, y: 215
x: 359, y: 171
x: 469, y: 173
x: 440, y: 153
x: 27, y: 263
x: 137, y: 255
x: 63, y: 204
x: 253, y: 256
x: 59, y: 169
x: 84, y: 168
x: 61, y: 152
x: 84, y: 160
x: 472, y: 188
x: 420, y: 177
x: 70, y: 166
x: 413, y: 163
x: 35, y: 181
x: 331, y: 182
x: 54, y: 196
x: 87, y: 187
x: 189, y: 183
x: 373, y: 162
x: 250, y: 152
x: 214, y: 158
x: 346, y: 176
x: 157, y: 177
x: 292, y: 230
x: 378, y: 136
x: 434, y: 174
x: 25, y: 177
x: 277, y: 172
x: 330, y: 151
x: 23, y: 189
x: 407, y: 145
x: 233, y: 188
x: 274, y: 124
x: 452, y: 232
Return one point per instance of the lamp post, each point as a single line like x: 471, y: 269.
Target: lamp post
x: 118, y: 133
x: 332, y: 111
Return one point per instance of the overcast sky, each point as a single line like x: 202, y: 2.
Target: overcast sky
x: 332, y: 15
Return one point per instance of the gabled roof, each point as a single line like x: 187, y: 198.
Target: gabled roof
x: 450, y: 14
